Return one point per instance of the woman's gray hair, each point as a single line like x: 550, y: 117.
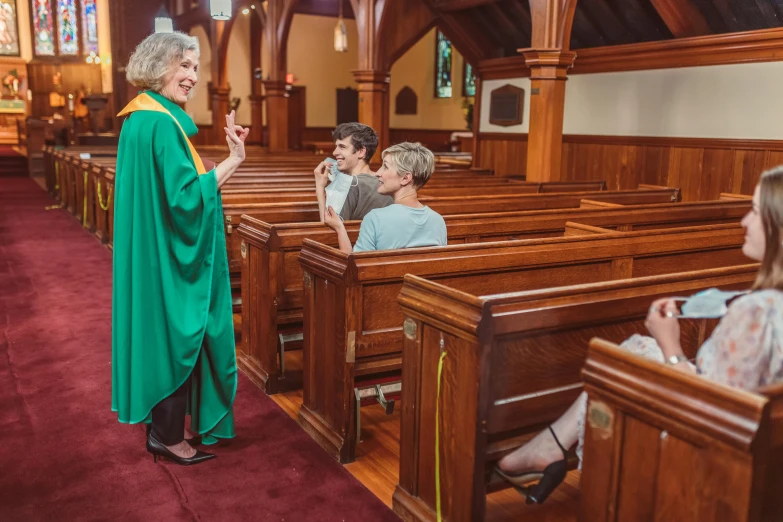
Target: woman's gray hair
x: 156, y: 56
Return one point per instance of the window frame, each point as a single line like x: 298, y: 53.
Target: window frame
x: 80, y: 35
x: 451, y: 68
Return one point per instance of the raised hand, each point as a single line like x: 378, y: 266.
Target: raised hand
x: 235, y: 137
x: 321, y: 173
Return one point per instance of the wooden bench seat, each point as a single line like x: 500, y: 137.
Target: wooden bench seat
x: 513, y: 364
x: 351, y: 327
x: 271, y: 279
x: 664, y: 445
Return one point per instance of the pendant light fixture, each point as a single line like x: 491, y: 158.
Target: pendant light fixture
x: 340, y: 33
x: 163, y: 22
x: 220, y: 9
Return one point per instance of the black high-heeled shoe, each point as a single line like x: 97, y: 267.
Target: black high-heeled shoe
x: 158, y: 449
x: 195, y: 441
x: 552, y: 476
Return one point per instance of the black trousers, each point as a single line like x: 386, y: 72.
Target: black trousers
x: 168, y: 417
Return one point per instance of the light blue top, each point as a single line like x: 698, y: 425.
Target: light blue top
x: 398, y: 226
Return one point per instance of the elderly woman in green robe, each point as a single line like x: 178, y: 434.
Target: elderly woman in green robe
x: 172, y: 330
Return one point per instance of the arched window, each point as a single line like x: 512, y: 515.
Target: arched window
x: 442, y: 66
x: 64, y: 27
x: 469, y: 81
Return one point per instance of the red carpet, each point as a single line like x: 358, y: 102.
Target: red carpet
x: 64, y: 456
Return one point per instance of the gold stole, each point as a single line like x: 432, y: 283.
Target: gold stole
x: 145, y: 102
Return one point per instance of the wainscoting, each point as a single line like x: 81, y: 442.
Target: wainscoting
x: 701, y: 167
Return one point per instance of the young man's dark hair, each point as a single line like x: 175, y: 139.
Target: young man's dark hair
x: 362, y: 137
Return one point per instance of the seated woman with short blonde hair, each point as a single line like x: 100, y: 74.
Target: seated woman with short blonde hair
x: 406, y: 223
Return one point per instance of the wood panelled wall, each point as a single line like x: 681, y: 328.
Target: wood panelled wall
x: 701, y: 167
x: 74, y: 76
x: 436, y: 140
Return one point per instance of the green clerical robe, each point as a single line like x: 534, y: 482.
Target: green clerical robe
x: 171, y: 313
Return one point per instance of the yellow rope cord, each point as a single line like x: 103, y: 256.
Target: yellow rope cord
x: 100, y: 197
x: 437, y: 440
x: 56, y: 176
x: 84, y: 213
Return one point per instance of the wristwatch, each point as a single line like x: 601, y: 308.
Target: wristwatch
x: 676, y: 359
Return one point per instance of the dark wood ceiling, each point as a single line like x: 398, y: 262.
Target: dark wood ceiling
x: 505, y: 24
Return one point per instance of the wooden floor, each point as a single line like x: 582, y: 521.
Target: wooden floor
x: 378, y: 457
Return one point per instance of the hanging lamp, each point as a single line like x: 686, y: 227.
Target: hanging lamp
x: 340, y: 32
x: 163, y: 22
x: 220, y: 9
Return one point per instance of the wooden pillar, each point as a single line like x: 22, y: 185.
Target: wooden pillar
x: 374, y: 103
x: 219, y: 89
x: 547, y: 103
x: 279, y: 14
x: 256, y: 97
x: 477, y: 121
x: 277, y: 115
x: 548, y: 58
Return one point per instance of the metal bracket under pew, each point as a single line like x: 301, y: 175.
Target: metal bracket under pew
x: 378, y: 392
x: 282, y: 339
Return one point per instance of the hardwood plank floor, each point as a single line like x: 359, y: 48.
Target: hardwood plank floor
x: 378, y: 456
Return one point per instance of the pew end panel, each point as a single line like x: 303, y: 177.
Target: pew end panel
x: 329, y: 355
x: 455, y: 332
x: 532, y: 346
x: 678, y: 445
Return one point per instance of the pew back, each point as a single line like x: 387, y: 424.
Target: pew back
x: 662, y: 445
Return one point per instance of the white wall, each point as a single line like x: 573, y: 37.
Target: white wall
x: 316, y: 65
x: 723, y: 101
x: 239, y: 70
x: 416, y: 69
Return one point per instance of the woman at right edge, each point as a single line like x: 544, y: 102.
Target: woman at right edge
x: 744, y: 351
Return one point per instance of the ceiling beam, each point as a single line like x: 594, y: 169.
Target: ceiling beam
x: 446, y: 6
x: 682, y: 17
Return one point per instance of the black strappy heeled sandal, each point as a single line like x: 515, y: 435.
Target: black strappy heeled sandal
x: 552, y: 476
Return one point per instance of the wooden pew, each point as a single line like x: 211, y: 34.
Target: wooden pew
x: 352, y: 331
x: 664, y: 445
x: 271, y: 281
x: 513, y: 365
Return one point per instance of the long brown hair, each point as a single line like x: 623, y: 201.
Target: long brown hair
x: 771, y: 210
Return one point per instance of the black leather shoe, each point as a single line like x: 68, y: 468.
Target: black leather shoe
x: 158, y: 449
x: 552, y: 476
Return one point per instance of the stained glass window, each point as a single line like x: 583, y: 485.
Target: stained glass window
x: 67, y: 26
x: 469, y: 85
x: 90, y: 26
x: 42, y: 22
x: 442, y: 67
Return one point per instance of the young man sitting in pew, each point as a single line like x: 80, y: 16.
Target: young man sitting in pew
x: 744, y: 351
x: 405, y: 224
x: 353, y: 191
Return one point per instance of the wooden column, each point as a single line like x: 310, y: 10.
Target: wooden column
x: 372, y: 75
x: 256, y: 97
x: 477, y: 121
x: 277, y: 115
x: 548, y: 58
x: 547, y: 103
x: 374, y: 103
x: 219, y: 89
x: 279, y: 14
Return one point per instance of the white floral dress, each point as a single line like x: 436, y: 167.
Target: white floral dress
x: 745, y: 350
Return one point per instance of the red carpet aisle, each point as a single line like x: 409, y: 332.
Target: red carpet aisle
x: 64, y: 456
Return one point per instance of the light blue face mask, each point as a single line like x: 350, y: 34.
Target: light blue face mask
x: 338, y: 188
x: 708, y: 304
